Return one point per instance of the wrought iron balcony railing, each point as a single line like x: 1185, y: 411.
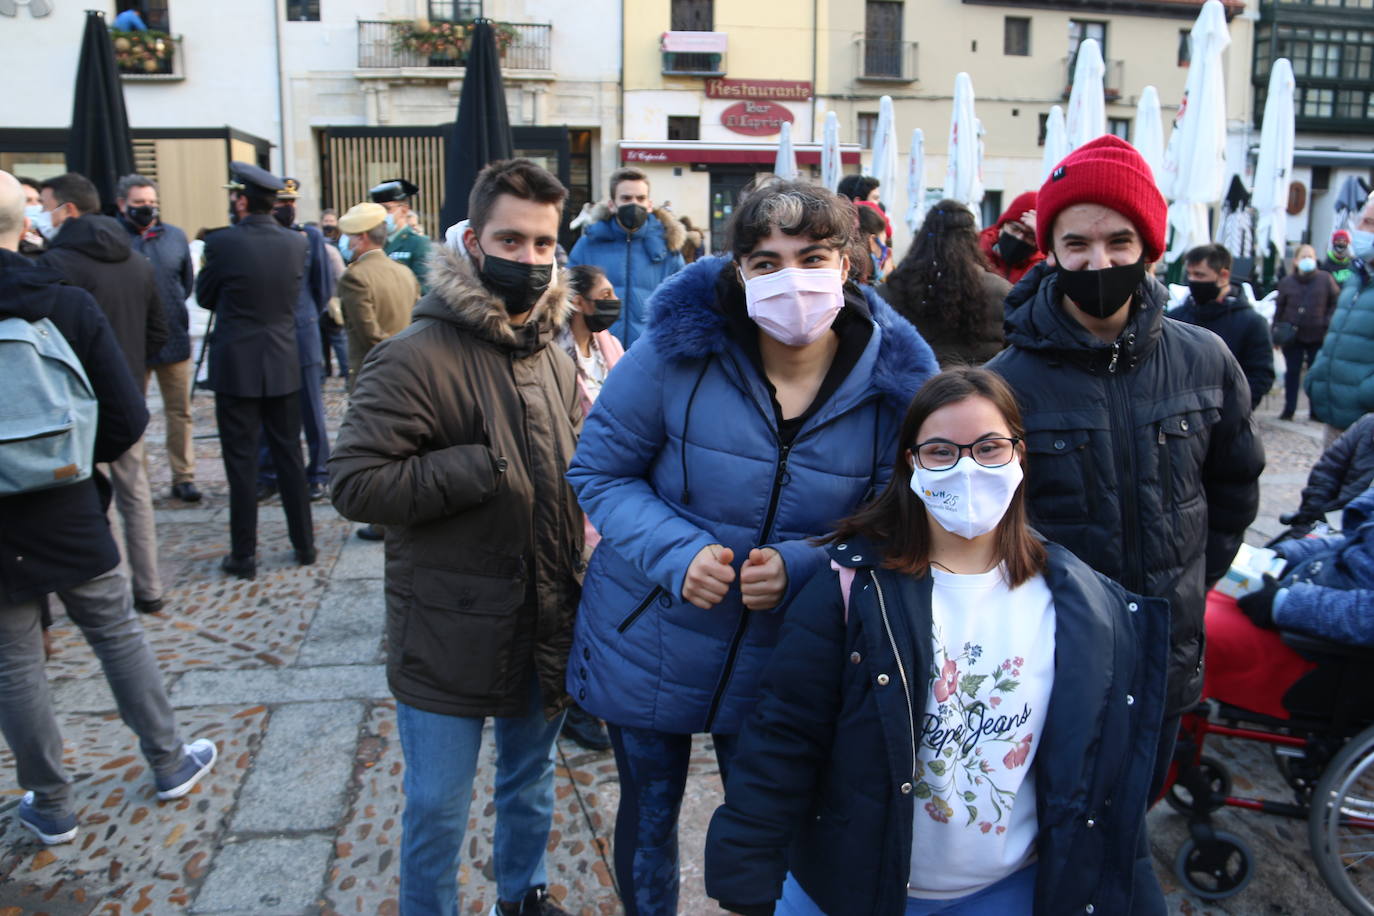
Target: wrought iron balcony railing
x: 384, y: 45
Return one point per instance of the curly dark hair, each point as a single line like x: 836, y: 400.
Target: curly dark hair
x: 941, y: 276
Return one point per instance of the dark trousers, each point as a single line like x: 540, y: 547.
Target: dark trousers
x: 332, y: 337
x: 1295, y: 356
x: 653, y: 775
x: 316, y: 435
x: 279, y: 419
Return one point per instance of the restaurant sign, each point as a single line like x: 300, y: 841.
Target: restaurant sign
x: 755, y: 119
x: 759, y: 90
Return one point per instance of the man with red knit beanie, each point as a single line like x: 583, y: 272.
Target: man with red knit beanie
x: 1142, y: 456
x: 1009, y: 244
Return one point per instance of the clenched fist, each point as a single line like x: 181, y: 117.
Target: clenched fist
x: 709, y: 576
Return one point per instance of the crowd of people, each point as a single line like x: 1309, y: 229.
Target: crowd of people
x: 925, y: 549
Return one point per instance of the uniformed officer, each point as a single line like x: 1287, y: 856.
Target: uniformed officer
x: 311, y: 303
x: 405, y: 244
x: 251, y: 278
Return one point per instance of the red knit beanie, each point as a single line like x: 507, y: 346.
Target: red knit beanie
x: 1022, y: 204
x: 1106, y: 171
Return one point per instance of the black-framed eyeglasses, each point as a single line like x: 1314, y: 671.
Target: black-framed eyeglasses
x: 941, y: 454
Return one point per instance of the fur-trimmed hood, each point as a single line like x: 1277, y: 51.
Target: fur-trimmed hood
x: 672, y: 232
x: 685, y: 324
x: 457, y: 296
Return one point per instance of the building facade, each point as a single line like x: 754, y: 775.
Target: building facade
x: 338, y: 94
x: 850, y: 53
x: 1330, y: 44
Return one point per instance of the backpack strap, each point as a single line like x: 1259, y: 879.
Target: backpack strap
x: 846, y: 584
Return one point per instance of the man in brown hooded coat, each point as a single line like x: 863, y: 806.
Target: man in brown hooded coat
x: 457, y: 437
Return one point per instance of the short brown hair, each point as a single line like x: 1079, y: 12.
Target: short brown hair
x: 626, y: 173
x: 517, y: 177
x: 897, y: 520
x: 797, y: 208
x: 76, y: 190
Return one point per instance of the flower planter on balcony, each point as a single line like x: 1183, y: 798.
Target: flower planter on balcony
x: 147, y: 55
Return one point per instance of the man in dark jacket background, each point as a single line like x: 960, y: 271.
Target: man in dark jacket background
x: 165, y: 247
x: 1143, y: 457
x: 58, y: 540
x: 93, y: 252
x: 458, y: 435
x: 252, y: 275
x: 1213, y: 303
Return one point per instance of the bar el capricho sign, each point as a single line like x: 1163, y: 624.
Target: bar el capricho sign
x: 758, y: 90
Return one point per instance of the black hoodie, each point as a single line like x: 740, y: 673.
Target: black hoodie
x: 93, y: 252
x: 57, y: 538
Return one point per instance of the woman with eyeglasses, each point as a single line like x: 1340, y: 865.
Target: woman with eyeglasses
x: 960, y: 718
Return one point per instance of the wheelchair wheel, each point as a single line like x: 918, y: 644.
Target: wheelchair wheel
x: 1341, y: 825
x: 1214, y: 776
x: 1215, y: 868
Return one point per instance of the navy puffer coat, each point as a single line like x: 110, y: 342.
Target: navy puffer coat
x: 823, y: 782
x: 681, y: 451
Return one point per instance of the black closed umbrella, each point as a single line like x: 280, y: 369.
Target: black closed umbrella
x: 482, y: 132
x: 98, y: 145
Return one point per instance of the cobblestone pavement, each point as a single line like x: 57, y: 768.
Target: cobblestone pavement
x: 302, y: 814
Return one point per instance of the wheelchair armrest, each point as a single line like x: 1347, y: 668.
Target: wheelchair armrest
x: 1315, y: 646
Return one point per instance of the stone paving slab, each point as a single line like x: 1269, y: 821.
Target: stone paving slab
x: 266, y: 877
x: 347, y: 629
x: 302, y: 769
x: 282, y: 685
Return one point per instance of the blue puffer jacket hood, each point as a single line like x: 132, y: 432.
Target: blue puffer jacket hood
x: 680, y: 452
x: 636, y: 264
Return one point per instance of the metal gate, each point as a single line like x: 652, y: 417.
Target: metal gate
x: 357, y: 158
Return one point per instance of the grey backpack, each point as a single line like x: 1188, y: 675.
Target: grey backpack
x: 48, y: 410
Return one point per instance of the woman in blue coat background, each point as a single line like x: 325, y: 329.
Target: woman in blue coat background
x: 761, y: 407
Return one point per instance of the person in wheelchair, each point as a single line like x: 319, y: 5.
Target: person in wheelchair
x: 1327, y: 589
x: 1344, y: 471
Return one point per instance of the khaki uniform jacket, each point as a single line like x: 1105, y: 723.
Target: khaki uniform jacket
x: 376, y: 295
x: 457, y: 438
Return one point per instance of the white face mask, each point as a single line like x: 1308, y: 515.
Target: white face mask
x: 967, y: 500
x: 42, y: 223
x: 1362, y: 244
x: 795, y: 306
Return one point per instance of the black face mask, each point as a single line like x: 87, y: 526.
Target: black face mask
x: 1205, y: 291
x: 1013, y: 249
x: 285, y: 214
x: 142, y: 217
x: 519, y: 285
x: 1102, y: 293
x: 607, y: 311
x: 631, y: 216
x: 330, y: 232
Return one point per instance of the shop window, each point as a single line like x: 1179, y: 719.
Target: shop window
x: 1016, y: 36
x: 303, y: 10
x: 684, y: 127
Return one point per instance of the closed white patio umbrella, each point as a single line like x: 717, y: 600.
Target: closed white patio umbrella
x: 1195, y: 159
x: 830, y: 152
x: 962, y: 181
x: 1087, y: 114
x: 1148, y: 130
x: 785, y: 165
x: 883, y: 166
x: 1056, y: 142
x: 916, y: 181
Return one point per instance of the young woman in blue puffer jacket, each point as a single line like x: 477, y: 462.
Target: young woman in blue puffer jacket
x: 761, y: 407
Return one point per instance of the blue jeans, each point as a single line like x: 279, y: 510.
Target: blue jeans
x: 652, y: 767
x: 1014, y: 895
x: 440, y: 765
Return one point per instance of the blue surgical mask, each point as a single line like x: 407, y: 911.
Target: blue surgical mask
x: 42, y: 223
x: 32, y: 211
x: 1362, y: 244
x: 346, y: 247
x: 390, y: 222
x: 1307, y: 265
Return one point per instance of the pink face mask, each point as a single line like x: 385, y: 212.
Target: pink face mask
x: 797, y: 305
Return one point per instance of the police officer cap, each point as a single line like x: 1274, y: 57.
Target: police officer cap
x: 245, y: 177
x: 290, y: 189
x: 393, y: 189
